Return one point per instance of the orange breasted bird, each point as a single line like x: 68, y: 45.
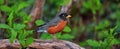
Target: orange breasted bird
x: 56, y: 25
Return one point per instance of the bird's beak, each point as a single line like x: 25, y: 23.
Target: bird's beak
x: 68, y: 16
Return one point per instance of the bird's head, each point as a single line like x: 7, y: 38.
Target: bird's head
x: 64, y: 16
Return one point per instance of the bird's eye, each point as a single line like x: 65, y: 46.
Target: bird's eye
x: 63, y: 15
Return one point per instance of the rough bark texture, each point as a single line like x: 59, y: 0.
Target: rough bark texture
x: 66, y: 8
x: 41, y: 44
x: 37, y: 12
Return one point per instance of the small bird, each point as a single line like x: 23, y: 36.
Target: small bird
x: 56, y: 25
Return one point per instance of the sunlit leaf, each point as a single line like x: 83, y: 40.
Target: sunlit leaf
x: 58, y: 34
x: 19, y: 26
x: 39, y: 22
x: 22, y: 14
x: 93, y: 43
x: 22, y: 5
x: 5, y: 26
x: 22, y: 42
x: 66, y: 36
x: 10, y: 18
x: 29, y: 40
x: 46, y: 36
x: 27, y: 19
x: 67, y: 29
x: 29, y: 31
x: 13, y: 36
x: 5, y: 8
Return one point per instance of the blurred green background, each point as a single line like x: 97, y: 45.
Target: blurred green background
x: 95, y: 24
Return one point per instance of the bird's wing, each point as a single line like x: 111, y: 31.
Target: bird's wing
x: 54, y: 22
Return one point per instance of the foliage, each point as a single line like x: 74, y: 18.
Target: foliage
x: 93, y: 5
x: 17, y: 20
x: 39, y: 22
x: 107, y: 29
x: 106, y: 43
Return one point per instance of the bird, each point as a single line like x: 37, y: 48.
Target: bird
x: 55, y: 25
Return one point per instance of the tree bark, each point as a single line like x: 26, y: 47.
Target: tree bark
x: 36, y: 13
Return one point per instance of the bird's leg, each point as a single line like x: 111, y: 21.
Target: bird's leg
x: 54, y: 37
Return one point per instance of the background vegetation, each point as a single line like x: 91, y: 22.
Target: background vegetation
x: 95, y: 24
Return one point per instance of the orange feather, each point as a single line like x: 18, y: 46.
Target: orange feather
x: 55, y: 29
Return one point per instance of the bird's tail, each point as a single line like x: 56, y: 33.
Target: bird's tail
x: 41, y: 29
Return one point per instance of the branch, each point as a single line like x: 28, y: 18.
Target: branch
x: 36, y: 13
x: 67, y: 7
x: 40, y: 44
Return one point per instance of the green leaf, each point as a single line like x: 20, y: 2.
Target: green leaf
x: 29, y: 31
x: 116, y: 41
x: 58, y: 3
x: 67, y: 29
x: 45, y: 36
x: 93, y: 11
x: 22, y: 14
x: 13, y: 35
x: 93, y: 43
x: 5, y: 8
x: 22, y: 35
x: 1, y: 1
x: 25, y: 34
x: 29, y: 40
x: 27, y: 19
x: 58, y: 35
x: 66, y: 36
x: 85, y: 5
x: 111, y: 31
x: 92, y: 5
x: 10, y: 18
x: 39, y: 22
x: 22, y: 43
x: 22, y: 5
x: 83, y: 44
x: 19, y: 26
x: 21, y: 39
x: 5, y: 26
x: 66, y: 2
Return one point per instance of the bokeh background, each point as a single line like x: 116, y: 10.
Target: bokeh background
x: 95, y: 24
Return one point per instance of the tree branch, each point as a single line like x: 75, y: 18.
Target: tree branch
x: 67, y: 7
x: 36, y: 13
x: 40, y: 44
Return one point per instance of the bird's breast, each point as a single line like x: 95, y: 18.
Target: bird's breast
x: 59, y: 27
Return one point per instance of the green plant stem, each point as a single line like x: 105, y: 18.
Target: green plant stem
x: 94, y: 28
